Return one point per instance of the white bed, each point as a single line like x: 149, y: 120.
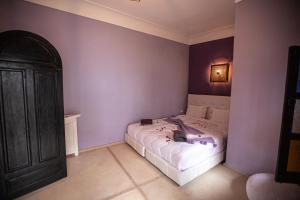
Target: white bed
x: 180, y: 161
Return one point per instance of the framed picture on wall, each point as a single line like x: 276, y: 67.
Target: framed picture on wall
x: 219, y: 73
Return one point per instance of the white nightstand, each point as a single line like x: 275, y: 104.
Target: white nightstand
x: 71, y: 134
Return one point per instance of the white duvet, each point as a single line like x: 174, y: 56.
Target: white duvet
x: 181, y: 155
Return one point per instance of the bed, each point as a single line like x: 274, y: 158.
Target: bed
x: 181, y: 161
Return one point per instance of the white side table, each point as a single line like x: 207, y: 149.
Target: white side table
x: 71, y: 134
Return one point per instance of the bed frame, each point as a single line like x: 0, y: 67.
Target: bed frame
x: 180, y: 177
x: 183, y: 177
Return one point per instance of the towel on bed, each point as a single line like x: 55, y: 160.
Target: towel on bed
x: 189, y: 134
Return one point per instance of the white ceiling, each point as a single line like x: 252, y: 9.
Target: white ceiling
x: 188, y: 17
x: 185, y: 21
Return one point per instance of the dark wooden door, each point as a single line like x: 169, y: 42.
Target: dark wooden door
x: 32, y: 137
x: 288, y: 161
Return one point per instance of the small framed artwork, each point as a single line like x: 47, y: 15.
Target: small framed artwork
x: 219, y: 73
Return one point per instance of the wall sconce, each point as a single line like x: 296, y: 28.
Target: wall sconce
x: 219, y: 73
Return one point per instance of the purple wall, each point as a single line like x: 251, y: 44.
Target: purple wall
x: 112, y: 75
x: 202, y: 56
x: 264, y: 30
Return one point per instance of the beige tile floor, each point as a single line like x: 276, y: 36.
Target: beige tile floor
x: 119, y: 173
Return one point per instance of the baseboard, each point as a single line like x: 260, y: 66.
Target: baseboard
x: 229, y: 167
x: 100, y: 147
x: 70, y: 155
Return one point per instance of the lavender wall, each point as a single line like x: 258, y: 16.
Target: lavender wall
x: 201, y: 57
x: 264, y: 30
x: 112, y: 75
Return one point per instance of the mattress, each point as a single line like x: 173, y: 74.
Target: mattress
x: 180, y: 155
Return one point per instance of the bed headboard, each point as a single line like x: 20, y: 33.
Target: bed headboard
x: 222, y: 102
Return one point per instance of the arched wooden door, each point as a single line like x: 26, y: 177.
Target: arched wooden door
x: 32, y: 141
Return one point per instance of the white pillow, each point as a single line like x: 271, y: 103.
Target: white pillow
x: 196, y: 111
x: 218, y: 115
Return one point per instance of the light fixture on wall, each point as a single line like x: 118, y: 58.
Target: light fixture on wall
x: 219, y: 73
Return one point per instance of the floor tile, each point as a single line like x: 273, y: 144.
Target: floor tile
x: 162, y: 189
x: 137, y: 166
x: 98, y: 175
x: 131, y: 195
x: 219, y: 183
x: 92, y: 175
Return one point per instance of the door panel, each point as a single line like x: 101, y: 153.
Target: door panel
x: 31, y: 130
x: 29, y: 179
x: 14, y: 120
x: 45, y: 84
x: 32, y: 144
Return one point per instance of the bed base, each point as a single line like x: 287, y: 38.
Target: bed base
x: 134, y: 144
x: 180, y: 177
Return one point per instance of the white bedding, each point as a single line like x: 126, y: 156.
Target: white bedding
x: 181, y: 155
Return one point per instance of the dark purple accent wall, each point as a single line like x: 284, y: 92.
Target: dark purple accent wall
x: 112, y: 75
x: 264, y: 30
x: 201, y: 57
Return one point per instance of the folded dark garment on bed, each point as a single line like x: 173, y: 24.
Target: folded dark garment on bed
x: 179, y: 136
x: 146, y: 122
